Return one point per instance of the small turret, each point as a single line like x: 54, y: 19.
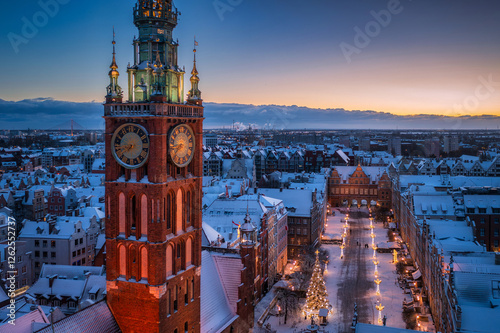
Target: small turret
x: 114, y: 91
x: 248, y: 232
x: 194, y: 96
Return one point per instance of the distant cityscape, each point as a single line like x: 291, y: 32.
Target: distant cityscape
x: 291, y: 184
x: 178, y: 215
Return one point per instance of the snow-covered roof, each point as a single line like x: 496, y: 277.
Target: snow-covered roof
x: 216, y: 312
x: 65, y: 227
x: 434, y: 205
x: 93, y: 211
x: 95, y: 318
x: 71, y: 272
x: 298, y: 202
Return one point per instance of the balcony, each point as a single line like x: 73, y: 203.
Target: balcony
x: 153, y: 109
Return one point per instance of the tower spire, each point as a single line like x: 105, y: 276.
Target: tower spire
x: 114, y: 66
x: 194, y: 96
x: 114, y: 91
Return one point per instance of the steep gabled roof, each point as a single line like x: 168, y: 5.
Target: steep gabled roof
x: 96, y: 318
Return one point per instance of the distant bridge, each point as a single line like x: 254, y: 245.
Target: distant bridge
x: 69, y: 125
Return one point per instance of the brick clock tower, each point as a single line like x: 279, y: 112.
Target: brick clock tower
x: 153, y: 183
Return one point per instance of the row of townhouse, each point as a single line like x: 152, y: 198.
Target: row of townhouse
x: 463, y: 166
x: 265, y: 161
x: 460, y: 278
x: 453, y: 198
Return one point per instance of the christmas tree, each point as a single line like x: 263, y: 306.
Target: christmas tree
x: 317, y: 296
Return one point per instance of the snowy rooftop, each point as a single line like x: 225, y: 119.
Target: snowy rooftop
x: 297, y: 202
x: 70, y: 272
x: 65, y: 227
x: 216, y: 310
x: 434, y: 205
x: 453, y: 236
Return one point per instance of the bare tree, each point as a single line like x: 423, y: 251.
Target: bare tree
x: 288, y: 300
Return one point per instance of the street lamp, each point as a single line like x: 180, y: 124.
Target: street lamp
x: 373, y: 239
x: 378, y: 282
x: 379, y: 307
x: 374, y: 247
x: 395, y: 256
x: 376, y: 262
x: 342, y: 247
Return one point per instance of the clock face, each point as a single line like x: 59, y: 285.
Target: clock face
x: 130, y: 146
x: 181, y: 145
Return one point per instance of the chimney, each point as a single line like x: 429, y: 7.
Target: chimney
x: 51, y: 280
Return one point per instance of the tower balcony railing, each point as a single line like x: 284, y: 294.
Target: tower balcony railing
x: 154, y: 109
x: 141, y: 14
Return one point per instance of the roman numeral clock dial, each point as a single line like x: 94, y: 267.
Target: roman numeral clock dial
x: 181, y: 145
x: 130, y: 146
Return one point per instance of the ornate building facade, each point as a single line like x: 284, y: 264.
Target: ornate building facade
x: 153, y: 183
x: 357, y: 186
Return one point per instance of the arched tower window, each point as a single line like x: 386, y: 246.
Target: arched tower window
x: 144, y: 263
x: 192, y: 209
x: 188, y: 208
x: 121, y: 213
x: 170, y: 261
x: 133, y: 212
x: 179, y: 212
x: 108, y: 207
x: 122, y: 260
x: 168, y: 211
x: 189, y: 252
x: 132, y: 262
x: 144, y: 215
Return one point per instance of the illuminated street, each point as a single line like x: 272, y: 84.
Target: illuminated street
x: 351, y: 280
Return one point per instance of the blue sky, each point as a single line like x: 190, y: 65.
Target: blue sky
x: 429, y: 59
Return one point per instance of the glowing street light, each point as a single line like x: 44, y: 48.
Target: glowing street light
x: 395, y: 256
x: 379, y: 307
x: 376, y: 262
x: 374, y: 247
x: 342, y: 247
x: 373, y: 239
x: 378, y: 282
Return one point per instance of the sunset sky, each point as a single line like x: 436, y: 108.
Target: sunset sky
x: 433, y: 57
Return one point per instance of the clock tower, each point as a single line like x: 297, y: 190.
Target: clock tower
x: 153, y: 183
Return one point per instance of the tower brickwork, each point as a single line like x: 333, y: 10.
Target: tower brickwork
x: 153, y: 185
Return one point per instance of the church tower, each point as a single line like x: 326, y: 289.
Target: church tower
x: 153, y: 184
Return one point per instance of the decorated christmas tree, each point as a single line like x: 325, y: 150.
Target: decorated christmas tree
x: 317, y: 296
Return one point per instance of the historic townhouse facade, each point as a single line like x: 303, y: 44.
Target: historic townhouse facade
x: 356, y: 186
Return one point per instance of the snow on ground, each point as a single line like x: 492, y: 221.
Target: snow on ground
x: 335, y: 275
x: 391, y: 294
